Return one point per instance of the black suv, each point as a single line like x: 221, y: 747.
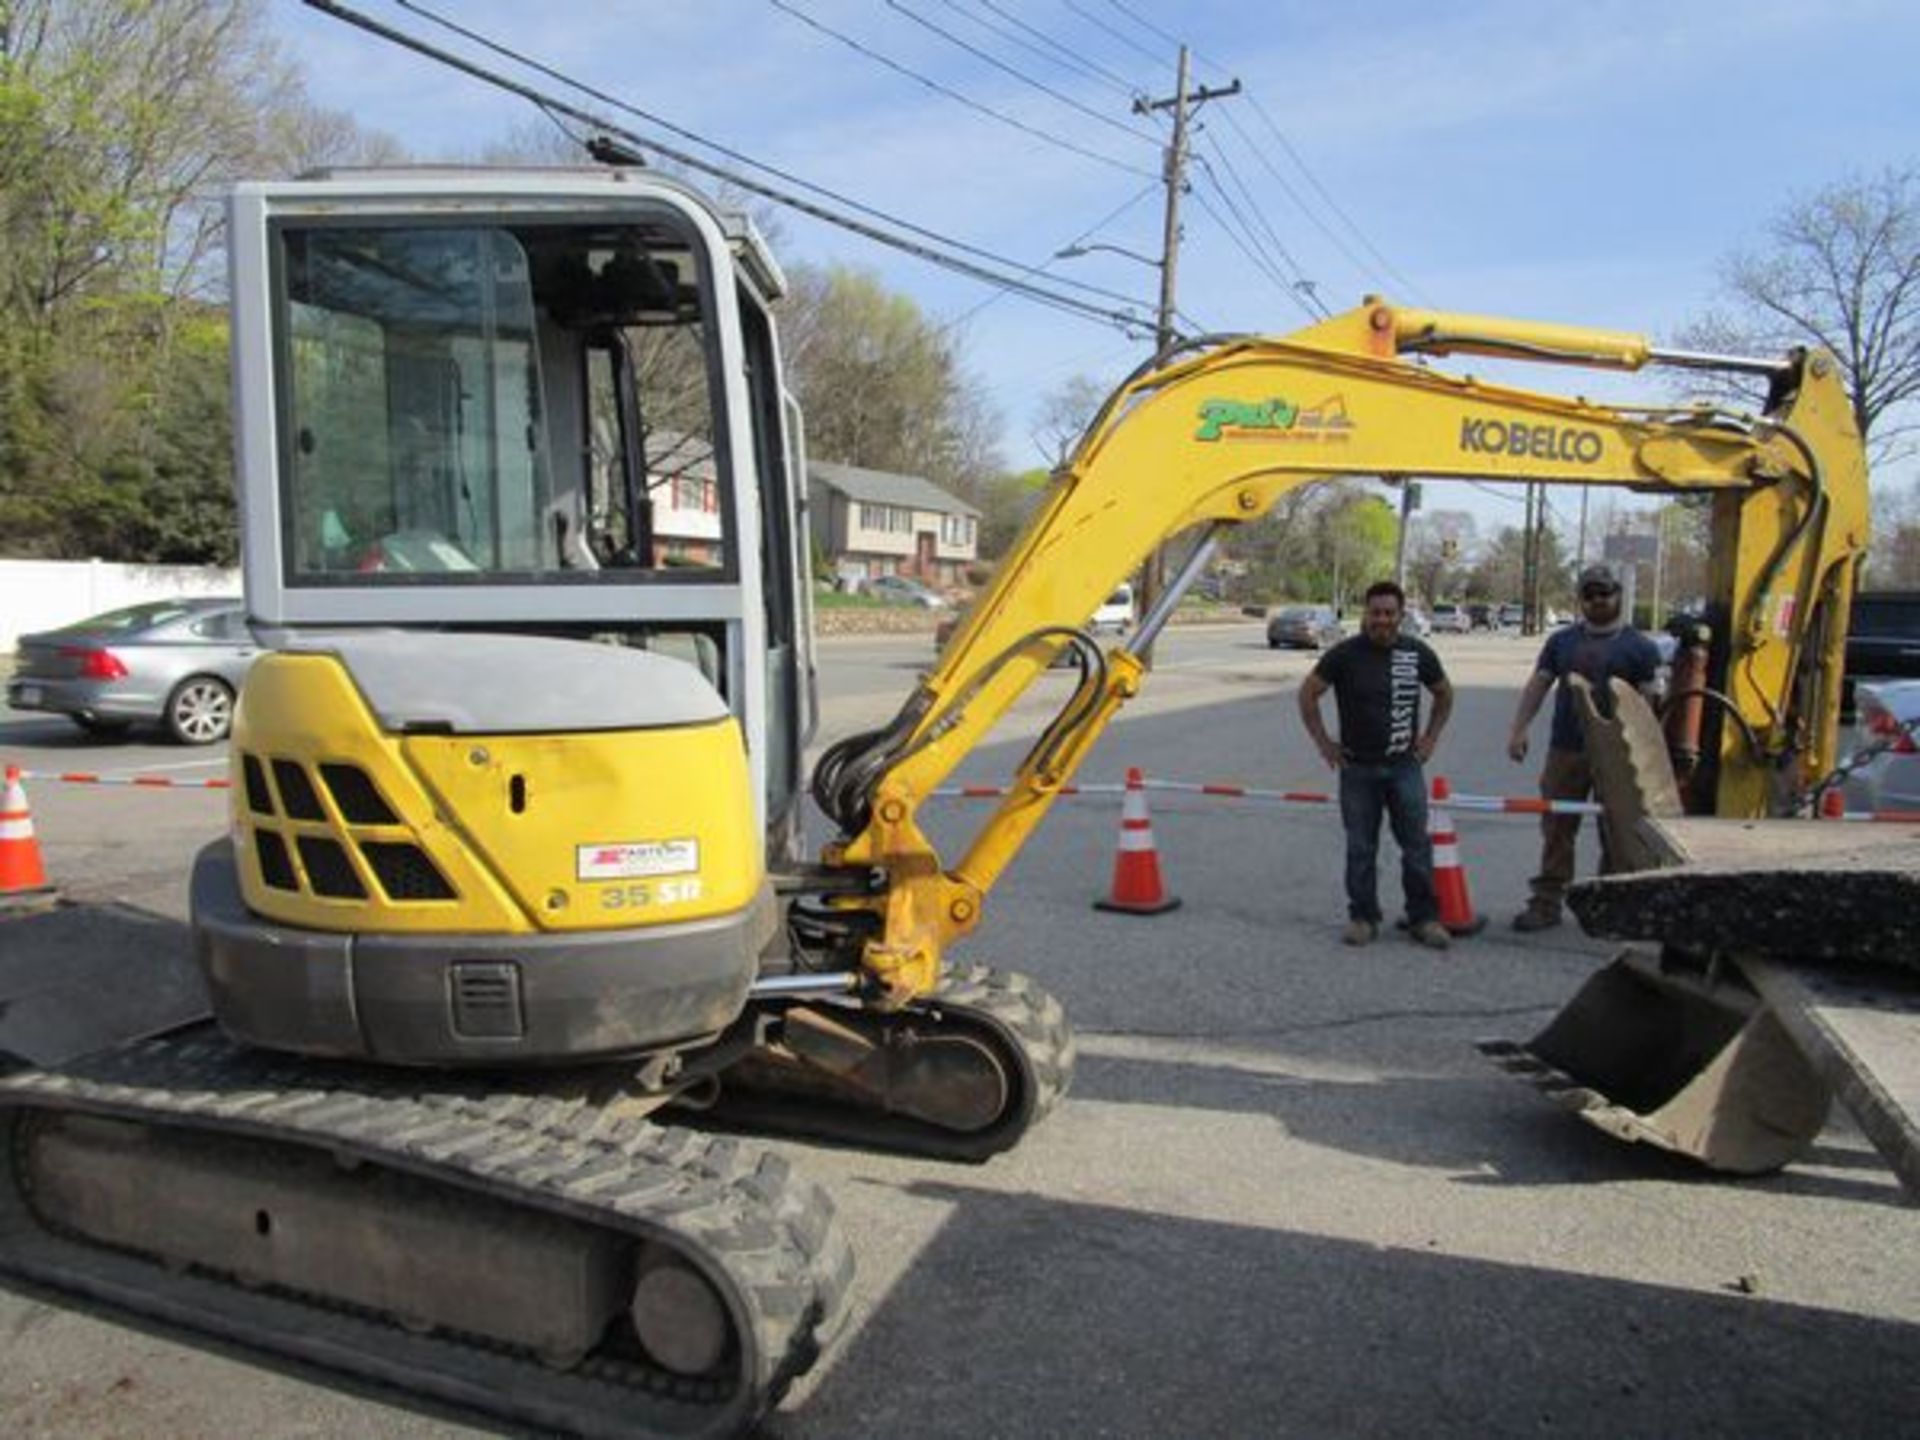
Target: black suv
x: 1883, y: 639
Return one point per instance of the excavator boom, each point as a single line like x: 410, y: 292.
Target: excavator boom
x: 1213, y: 437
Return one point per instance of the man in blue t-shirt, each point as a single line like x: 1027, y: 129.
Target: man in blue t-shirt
x: 1602, y: 645
x: 1377, y: 678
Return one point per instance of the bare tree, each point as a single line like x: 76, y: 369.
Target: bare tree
x: 881, y: 384
x: 1064, y: 414
x: 1894, y: 561
x: 1842, y: 271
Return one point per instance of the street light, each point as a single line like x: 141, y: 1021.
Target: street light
x: 1153, y: 569
x: 1074, y: 251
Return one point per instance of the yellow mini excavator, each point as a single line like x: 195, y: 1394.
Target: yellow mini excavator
x: 516, y: 858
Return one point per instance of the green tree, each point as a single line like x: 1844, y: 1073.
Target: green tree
x: 1324, y: 542
x: 121, y: 122
x: 1499, y: 574
x: 1357, y: 533
x: 1006, y: 503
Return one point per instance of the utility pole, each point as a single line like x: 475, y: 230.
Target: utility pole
x: 1529, y: 558
x: 1409, y: 502
x: 1659, y: 565
x: 1185, y: 99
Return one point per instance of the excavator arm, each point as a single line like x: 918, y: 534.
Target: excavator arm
x: 1213, y: 436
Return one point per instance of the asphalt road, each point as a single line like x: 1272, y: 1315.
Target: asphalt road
x: 1285, y: 1197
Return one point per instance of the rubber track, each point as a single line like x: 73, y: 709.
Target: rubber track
x: 768, y: 1234
x: 1033, y: 1031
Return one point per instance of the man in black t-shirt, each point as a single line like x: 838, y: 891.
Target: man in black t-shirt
x: 1376, y: 678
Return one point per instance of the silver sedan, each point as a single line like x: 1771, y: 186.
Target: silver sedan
x: 177, y: 662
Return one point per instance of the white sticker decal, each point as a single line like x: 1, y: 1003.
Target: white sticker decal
x: 624, y: 860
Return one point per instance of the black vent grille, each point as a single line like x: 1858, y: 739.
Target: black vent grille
x: 357, y: 796
x: 329, y: 871
x: 296, y: 791
x: 276, y: 867
x: 485, y: 997
x: 405, y: 872
x: 259, y: 798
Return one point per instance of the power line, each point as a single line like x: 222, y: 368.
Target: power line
x: 1287, y: 189
x: 520, y: 58
x: 950, y: 93
x: 1043, y: 266
x: 1299, y: 161
x: 1260, y: 261
x: 1021, y: 76
x: 1068, y: 58
x: 1300, y: 279
x: 1128, y: 41
x: 1123, y: 319
x: 1332, y: 204
x: 1154, y: 29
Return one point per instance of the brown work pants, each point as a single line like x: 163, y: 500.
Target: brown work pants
x: 1565, y: 776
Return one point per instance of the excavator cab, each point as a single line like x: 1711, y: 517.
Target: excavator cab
x: 521, y: 491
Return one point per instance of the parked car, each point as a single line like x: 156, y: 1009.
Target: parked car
x: 1883, y: 640
x: 1414, y: 622
x: 1479, y: 616
x: 1115, y: 613
x: 899, y: 590
x: 1310, y: 627
x: 1451, y: 619
x: 1510, y: 617
x: 1890, y: 780
x: 178, y: 662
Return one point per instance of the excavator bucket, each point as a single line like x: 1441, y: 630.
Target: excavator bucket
x: 1685, y: 1059
x: 1661, y: 1049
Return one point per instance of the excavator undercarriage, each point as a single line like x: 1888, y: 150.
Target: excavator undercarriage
x: 574, y: 1249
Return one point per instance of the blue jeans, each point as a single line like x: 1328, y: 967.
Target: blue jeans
x: 1399, y: 788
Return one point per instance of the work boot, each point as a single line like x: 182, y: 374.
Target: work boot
x: 1539, y: 915
x: 1358, y: 932
x: 1430, y: 933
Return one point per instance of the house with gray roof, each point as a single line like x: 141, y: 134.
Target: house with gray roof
x: 870, y: 523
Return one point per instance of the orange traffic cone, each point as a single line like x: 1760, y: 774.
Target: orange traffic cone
x: 1137, y: 887
x: 1449, y: 875
x: 21, y: 873
x: 1833, y: 805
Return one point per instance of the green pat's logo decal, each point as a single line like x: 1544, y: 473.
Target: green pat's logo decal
x: 1217, y: 417
x: 1273, y: 419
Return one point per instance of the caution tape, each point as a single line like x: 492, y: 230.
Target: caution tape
x: 1482, y: 804
x: 138, y: 782
x: 1486, y: 804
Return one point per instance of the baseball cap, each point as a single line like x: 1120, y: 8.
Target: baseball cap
x: 1599, y: 576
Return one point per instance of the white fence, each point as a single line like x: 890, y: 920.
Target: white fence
x: 45, y: 594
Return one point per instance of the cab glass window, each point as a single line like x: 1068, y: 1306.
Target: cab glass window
x: 482, y: 403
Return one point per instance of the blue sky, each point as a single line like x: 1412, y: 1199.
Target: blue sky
x: 1589, y: 163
